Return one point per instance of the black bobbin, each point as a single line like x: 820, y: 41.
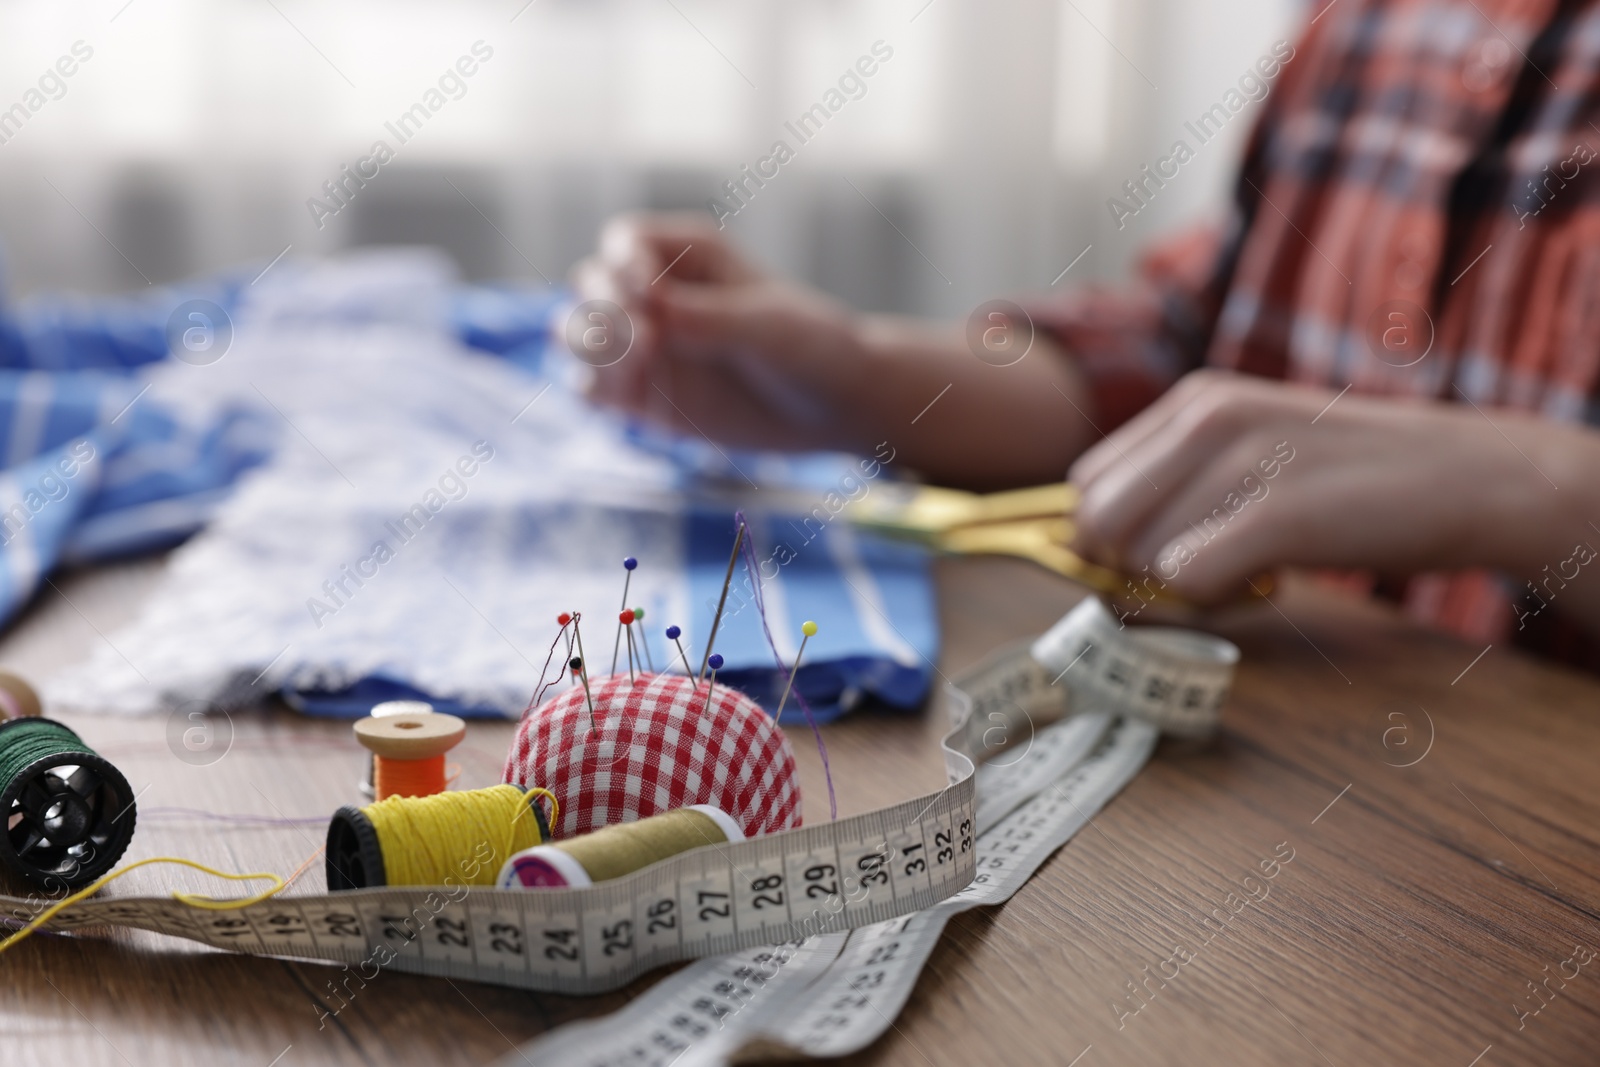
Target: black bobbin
x: 69, y: 817
x: 355, y: 858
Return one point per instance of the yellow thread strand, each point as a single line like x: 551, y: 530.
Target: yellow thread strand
x: 555, y: 805
x: 191, y: 899
x: 452, y: 838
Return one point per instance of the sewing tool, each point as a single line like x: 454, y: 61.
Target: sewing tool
x: 408, y: 751
x: 583, y: 671
x: 627, y: 565
x: 644, y: 645
x: 563, y: 620
x: 715, y: 662
x: 858, y: 873
x: 808, y: 630
x: 618, y: 850
x: 626, y: 619
x: 17, y: 698
x: 69, y: 814
x: 458, y: 838
x: 673, y: 633
x: 753, y: 573
x: 383, y: 711
x: 722, y: 601
x: 1034, y: 524
x: 658, y: 748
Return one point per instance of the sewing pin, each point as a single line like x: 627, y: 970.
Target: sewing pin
x: 626, y: 619
x: 638, y: 616
x: 628, y: 565
x: 673, y: 633
x: 715, y: 662
x: 564, y: 620
x: 722, y: 601
x: 583, y: 671
x: 808, y: 630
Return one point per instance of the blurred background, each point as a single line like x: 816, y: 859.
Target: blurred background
x: 977, y: 163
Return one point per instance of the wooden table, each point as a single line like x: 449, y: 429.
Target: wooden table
x: 1420, y: 903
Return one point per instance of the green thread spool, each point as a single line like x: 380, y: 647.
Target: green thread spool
x: 69, y: 813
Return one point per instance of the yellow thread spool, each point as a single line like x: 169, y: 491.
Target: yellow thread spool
x: 619, y: 849
x: 448, y: 839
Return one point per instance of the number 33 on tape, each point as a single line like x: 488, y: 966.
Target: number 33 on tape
x: 807, y: 886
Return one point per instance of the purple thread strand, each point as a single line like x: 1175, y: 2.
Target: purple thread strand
x: 761, y: 609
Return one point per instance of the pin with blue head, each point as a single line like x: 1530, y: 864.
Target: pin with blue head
x: 714, y: 661
x: 673, y: 633
x: 628, y: 564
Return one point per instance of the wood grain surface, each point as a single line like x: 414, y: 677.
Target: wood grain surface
x: 1422, y: 904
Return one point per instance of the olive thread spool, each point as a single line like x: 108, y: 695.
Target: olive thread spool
x: 384, y: 710
x: 619, y: 849
x: 447, y: 839
x: 69, y: 813
x: 408, y: 751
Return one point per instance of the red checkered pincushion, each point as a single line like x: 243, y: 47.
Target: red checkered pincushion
x: 656, y: 748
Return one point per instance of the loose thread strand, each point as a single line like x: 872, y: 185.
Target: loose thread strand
x: 191, y: 899
x: 538, y: 692
x: 754, y: 571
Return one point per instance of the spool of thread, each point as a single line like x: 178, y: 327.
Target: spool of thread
x: 17, y: 698
x: 459, y: 838
x: 383, y: 711
x: 618, y: 850
x: 408, y: 751
x: 68, y: 813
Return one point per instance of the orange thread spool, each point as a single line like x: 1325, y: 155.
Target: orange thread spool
x: 407, y: 777
x: 408, y: 752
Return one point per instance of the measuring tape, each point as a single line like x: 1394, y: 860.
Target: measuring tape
x: 850, y: 887
x: 833, y: 995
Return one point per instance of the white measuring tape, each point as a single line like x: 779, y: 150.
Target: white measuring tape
x: 818, y: 933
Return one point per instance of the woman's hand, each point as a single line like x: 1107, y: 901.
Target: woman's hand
x: 1228, y: 476
x: 720, y: 348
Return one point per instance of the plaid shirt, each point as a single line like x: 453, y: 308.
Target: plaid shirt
x: 1421, y: 184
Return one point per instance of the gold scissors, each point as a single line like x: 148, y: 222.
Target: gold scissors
x: 1034, y: 524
